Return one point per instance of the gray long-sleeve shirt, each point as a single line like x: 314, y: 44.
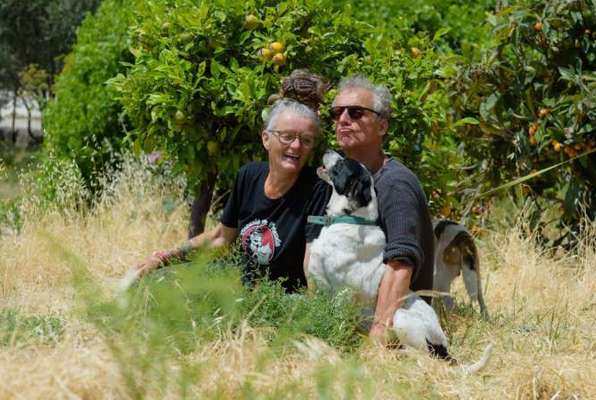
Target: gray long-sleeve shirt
x: 404, y: 217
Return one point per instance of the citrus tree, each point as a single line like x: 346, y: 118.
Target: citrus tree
x: 531, y: 102
x: 202, y: 75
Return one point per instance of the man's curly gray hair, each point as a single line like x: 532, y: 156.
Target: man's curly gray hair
x: 381, y: 95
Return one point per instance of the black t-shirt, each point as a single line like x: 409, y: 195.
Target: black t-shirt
x: 403, y: 217
x: 271, y: 231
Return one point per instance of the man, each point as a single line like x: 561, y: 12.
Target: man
x: 361, y: 113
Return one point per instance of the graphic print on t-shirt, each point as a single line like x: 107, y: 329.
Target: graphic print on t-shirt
x: 259, y: 240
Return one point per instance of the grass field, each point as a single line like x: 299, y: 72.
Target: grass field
x: 65, y: 334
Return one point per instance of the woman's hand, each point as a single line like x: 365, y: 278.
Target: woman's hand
x: 135, y: 273
x: 153, y: 262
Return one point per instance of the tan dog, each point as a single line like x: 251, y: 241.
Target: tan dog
x: 455, y: 254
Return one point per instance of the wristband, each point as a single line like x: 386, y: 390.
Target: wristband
x: 184, y: 249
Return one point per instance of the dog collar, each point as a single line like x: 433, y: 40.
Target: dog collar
x: 338, y: 219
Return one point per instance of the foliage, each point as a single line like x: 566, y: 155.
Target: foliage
x: 201, y: 78
x: 17, y: 329
x: 83, y: 121
x: 55, y: 184
x: 456, y: 24
x: 202, y: 75
x: 187, y: 308
x: 34, y: 83
x: 200, y: 301
x: 10, y: 217
x: 39, y: 31
x: 530, y: 103
x: 335, y: 320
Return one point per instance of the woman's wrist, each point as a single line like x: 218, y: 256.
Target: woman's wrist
x: 184, y: 249
x: 180, y: 253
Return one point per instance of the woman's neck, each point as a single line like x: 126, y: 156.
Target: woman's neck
x: 278, y: 184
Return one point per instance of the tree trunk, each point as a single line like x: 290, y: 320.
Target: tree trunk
x: 14, y: 111
x: 201, y: 205
x: 28, y: 108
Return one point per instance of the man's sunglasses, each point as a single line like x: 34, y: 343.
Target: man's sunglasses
x: 355, y: 112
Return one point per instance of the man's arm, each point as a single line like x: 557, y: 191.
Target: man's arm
x: 394, y: 285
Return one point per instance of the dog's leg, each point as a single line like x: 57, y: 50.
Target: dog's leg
x: 442, y: 283
x: 471, y: 275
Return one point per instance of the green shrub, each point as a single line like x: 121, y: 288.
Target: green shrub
x: 199, y: 84
x: 54, y: 184
x: 186, y: 307
x: 199, y: 302
x: 335, y: 320
x: 84, y: 122
x: 200, y: 81
x: 457, y: 24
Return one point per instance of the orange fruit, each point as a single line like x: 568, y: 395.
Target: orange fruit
x: 179, y: 117
x: 543, y: 112
x: 265, y: 53
x: 533, y: 129
x: 251, y: 22
x: 277, y: 47
x: 415, y: 52
x: 556, y: 146
x: 570, y: 151
x: 533, y: 140
x: 279, y: 59
x: 538, y: 26
x: 445, y: 211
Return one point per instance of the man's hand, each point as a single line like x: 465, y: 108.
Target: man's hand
x: 379, y: 333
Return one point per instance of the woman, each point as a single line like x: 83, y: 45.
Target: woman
x: 269, y: 203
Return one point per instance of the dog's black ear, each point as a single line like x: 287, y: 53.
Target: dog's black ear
x: 340, y: 175
x: 361, y: 190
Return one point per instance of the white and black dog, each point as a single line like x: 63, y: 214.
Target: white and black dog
x: 455, y: 254
x: 349, y: 254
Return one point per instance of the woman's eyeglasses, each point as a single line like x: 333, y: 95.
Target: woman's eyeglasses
x: 288, y: 137
x: 355, y: 112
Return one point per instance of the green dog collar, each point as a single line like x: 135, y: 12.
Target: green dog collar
x: 338, y: 219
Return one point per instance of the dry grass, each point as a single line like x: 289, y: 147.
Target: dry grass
x: 542, y: 322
